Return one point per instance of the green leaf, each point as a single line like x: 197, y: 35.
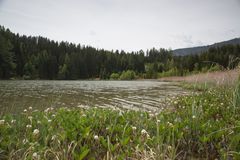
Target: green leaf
x: 84, y: 154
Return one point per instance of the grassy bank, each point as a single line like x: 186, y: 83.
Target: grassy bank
x: 206, y: 125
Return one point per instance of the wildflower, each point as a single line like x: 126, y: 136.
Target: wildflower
x: 151, y: 115
x: 134, y: 128
x: 170, y: 124
x: 30, y: 118
x: 53, y: 115
x: 30, y: 108
x: 35, y: 156
x: 25, y: 110
x: 158, y: 121
x: 35, y: 132
x: 96, y: 137
x: 28, y: 126
x: 13, y: 121
x: 25, y: 141
x: 145, y: 134
x: 54, y: 137
x: 2, y: 122
x: 193, y: 116
x: 47, y: 110
x: 175, y: 102
x: 49, y: 121
x: 221, y: 104
x: 169, y: 147
x: 38, y: 122
x: 84, y: 115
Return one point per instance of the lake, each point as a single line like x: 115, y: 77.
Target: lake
x: 16, y: 95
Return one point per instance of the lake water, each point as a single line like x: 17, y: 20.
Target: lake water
x: 16, y: 95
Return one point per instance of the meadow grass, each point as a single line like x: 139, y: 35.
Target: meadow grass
x: 199, y: 126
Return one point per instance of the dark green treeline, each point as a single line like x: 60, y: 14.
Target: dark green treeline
x: 41, y: 58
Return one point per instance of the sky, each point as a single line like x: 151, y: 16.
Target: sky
x: 128, y: 25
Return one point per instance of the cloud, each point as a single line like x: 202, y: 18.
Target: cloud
x: 187, y: 41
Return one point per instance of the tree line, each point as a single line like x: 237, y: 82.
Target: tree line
x: 29, y: 57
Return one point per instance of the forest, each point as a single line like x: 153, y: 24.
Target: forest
x: 31, y: 57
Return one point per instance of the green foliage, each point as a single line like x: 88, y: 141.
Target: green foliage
x: 201, y: 126
x: 41, y: 58
x: 7, y: 64
x: 128, y: 75
x: 114, y: 76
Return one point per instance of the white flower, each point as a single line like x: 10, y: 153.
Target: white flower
x: 96, y: 137
x: 170, y: 124
x: 143, y: 132
x: 47, y: 110
x: 169, y: 147
x: 25, y: 110
x: 35, y: 156
x: 54, y: 137
x: 193, y: 116
x: 13, y: 121
x: 2, y: 122
x: 134, y: 128
x: 158, y: 121
x: 35, y: 132
x: 29, y: 126
x: 175, y: 102
x: 25, y: 141
x: 221, y: 104
x: 49, y: 121
x: 151, y: 115
x: 53, y: 115
x: 38, y: 122
x: 30, y: 118
x: 30, y: 108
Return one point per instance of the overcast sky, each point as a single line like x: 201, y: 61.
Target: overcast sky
x: 125, y: 24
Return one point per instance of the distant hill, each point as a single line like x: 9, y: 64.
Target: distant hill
x: 197, y: 50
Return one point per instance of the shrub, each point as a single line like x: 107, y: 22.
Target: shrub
x: 114, y: 76
x: 128, y: 75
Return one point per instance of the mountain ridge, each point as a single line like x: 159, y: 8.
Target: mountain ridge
x: 200, y: 49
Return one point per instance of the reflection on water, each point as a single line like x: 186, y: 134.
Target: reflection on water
x: 148, y: 95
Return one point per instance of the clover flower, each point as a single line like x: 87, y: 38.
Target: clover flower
x: 13, y: 121
x: 144, y: 134
x: 2, y: 122
x: 54, y: 137
x: 35, y: 156
x: 25, y: 141
x: 96, y: 137
x: 28, y: 126
x: 36, y: 132
x: 134, y: 128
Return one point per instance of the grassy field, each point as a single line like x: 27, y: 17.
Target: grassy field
x: 227, y: 77
x: 205, y: 125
